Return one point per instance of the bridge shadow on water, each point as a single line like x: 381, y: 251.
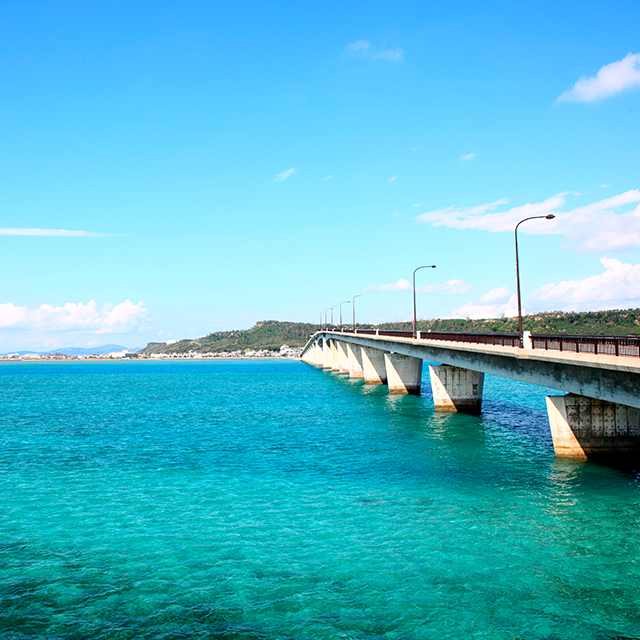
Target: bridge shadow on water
x: 513, y: 421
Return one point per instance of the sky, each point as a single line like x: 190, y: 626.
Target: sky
x: 169, y: 169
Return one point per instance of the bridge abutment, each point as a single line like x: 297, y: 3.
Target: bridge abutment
x: 584, y: 427
x: 456, y: 389
x: 354, y: 354
x: 373, y: 366
x: 404, y: 373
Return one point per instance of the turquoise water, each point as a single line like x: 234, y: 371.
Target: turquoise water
x: 268, y: 500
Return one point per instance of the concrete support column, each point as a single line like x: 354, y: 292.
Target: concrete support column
x: 335, y: 365
x: 327, y: 362
x: 373, y: 366
x: 585, y: 427
x: 343, y: 358
x: 456, y: 389
x: 404, y: 373
x: 318, y: 354
x: 308, y: 356
x: 354, y: 354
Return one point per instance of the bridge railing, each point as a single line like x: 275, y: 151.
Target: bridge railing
x: 598, y: 345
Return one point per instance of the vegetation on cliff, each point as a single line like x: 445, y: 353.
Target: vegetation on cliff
x: 272, y: 334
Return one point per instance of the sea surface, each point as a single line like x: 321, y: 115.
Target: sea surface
x: 264, y: 500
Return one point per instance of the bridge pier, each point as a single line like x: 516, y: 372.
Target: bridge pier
x: 404, y: 373
x: 373, y: 366
x: 335, y: 363
x: 310, y: 356
x: 343, y: 359
x: 584, y: 427
x: 327, y: 362
x: 354, y: 354
x: 456, y: 389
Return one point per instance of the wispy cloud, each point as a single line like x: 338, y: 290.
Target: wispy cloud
x: 281, y: 177
x: 610, y: 80
x: 363, y: 49
x: 417, y: 204
x: 74, y: 318
x: 60, y: 233
x: 392, y: 179
x: 329, y: 177
x: 468, y: 156
x: 609, y: 224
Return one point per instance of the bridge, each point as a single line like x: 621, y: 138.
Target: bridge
x: 598, y: 414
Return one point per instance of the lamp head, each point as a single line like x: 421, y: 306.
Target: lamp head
x: 550, y: 216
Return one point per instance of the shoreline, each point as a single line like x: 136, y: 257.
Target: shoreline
x: 142, y: 359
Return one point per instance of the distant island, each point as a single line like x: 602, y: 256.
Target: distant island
x: 268, y: 337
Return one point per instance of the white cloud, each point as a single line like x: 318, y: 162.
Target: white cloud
x: 73, y: 318
x: 618, y: 286
x: 606, y: 225
x: 449, y: 288
x: 417, y: 204
x: 401, y: 285
x: 51, y: 232
x: 496, y: 303
x: 611, y: 79
x: 285, y: 175
x: 397, y: 213
x: 392, y: 179
x: 365, y: 50
x: 329, y: 177
x: 468, y: 156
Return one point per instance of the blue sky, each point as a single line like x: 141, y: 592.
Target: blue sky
x: 171, y: 169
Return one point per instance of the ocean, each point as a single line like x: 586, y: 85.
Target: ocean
x: 264, y: 500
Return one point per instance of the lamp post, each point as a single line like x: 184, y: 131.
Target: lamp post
x: 325, y: 318
x: 343, y: 302
x: 430, y: 266
x: 353, y: 309
x: 332, y: 308
x: 520, y: 333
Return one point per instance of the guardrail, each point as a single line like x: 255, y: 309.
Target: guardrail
x: 598, y: 345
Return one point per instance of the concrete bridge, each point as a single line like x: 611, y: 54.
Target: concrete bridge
x: 598, y: 415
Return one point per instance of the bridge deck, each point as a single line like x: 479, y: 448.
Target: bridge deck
x: 615, y: 378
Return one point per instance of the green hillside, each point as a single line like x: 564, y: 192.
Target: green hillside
x: 272, y: 334
x: 269, y: 334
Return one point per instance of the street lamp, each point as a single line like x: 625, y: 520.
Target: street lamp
x: 520, y: 334
x: 343, y: 302
x: 353, y: 308
x: 325, y: 318
x: 332, y: 308
x: 430, y: 266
